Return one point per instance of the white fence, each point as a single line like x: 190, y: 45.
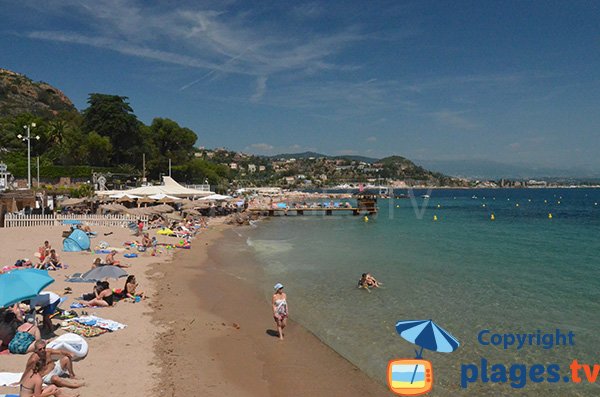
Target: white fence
x: 16, y: 220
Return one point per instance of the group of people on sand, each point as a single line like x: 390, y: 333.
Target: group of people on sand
x: 20, y: 334
x: 103, y: 296
x: 48, y: 371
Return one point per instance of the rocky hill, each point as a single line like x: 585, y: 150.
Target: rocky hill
x: 19, y: 94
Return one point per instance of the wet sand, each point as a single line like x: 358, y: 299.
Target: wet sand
x: 221, y: 339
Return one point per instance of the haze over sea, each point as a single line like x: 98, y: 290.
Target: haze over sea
x: 522, y: 272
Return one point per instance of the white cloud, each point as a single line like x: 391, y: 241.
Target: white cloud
x: 260, y: 147
x: 261, y: 88
x: 216, y: 39
x: 455, y: 119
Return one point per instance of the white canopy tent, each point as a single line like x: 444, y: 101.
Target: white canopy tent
x: 161, y: 196
x: 170, y: 187
x: 216, y: 197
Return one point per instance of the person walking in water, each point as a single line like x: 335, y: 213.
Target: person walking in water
x: 280, y: 308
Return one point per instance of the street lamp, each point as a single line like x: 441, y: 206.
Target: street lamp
x: 27, y: 138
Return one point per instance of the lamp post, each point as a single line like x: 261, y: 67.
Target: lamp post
x: 27, y: 138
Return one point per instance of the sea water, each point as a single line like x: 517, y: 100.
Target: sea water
x: 534, y: 267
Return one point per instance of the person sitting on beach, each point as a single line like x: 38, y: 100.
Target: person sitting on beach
x: 104, y: 296
x: 59, y: 372
x: 32, y: 384
x: 111, y: 261
x: 129, y: 290
x: 8, y: 327
x: 280, y: 308
x: 92, y: 295
x: 51, y: 262
x: 146, y: 241
x: 97, y: 263
x: 44, y: 250
x: 24, y: 339
x: 49, y: 302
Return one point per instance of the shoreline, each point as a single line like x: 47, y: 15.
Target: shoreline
x: 219, y: 337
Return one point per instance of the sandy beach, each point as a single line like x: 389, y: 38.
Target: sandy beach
x: 220, y: 339
x: 201, y: 332
x: 116, y: 357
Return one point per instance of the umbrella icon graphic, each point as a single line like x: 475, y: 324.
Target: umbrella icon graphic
x: 413, y: 377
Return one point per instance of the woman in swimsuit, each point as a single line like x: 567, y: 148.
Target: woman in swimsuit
x: 104, y: 297
x: 32, y: 384
x: 23, y: 341
x: 129, y: 291
x: 280, y: 308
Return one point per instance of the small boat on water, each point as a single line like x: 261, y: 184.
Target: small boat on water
x: 425, y: 196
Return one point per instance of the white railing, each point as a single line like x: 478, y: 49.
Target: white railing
x: 16, y: 220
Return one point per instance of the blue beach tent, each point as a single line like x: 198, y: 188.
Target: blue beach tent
x: 77, y: 241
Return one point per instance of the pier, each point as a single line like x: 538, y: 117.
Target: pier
x: 301, y: 211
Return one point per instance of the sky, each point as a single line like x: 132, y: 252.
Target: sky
x: 507, y: 81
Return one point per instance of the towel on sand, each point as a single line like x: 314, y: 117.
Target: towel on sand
x: 10, y: 378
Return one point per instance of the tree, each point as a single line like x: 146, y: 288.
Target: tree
x: 99, y: 149
x: 111, y: 116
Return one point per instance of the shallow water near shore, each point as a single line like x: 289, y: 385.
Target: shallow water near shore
x: 520, y: 273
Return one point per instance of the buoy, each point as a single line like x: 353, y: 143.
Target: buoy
x: 493, y: 218
x: 439, y: 206
x: 435, y: 217
x: 397, y: 206
x: 529, y: 200
x: 483, y: 205
x: 595, y: 203
x: 366, y: 219
x: 545, y: 201
x: 558, y: 202
x: 550, y: 216
x: 516, y: 205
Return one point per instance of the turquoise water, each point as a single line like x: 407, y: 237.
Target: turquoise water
x: 522, y: 272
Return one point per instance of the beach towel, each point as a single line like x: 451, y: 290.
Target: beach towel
x: 130, y: 255
x: 10, y: 378
x: 84, y: 330
x: 100, y: 322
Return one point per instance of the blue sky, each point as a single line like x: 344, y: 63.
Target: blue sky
x: 509, y: 81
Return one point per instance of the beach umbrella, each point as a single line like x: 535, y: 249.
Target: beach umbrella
x: 104, y: 272
x: 18, y: 285
x: 428, y: 335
